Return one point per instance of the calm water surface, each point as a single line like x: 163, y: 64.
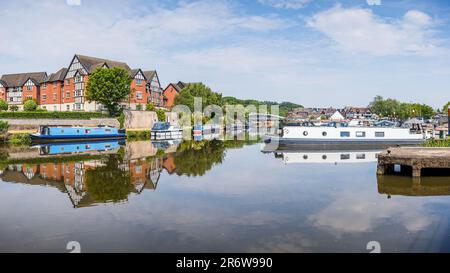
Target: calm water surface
x: 214, y: 197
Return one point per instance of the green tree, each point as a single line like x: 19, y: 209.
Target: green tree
x: 187, y: 95
x: 445, y: 107
x: 109, y: 86
x: 150, y: 107
x: 3, y: 105
x: 29, y: 105
x: 161, y: 114
x: 109, y: 183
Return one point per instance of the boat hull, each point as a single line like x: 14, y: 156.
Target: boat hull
x: 72, y: 138
x: 274, y: 143
x: 166, y: 135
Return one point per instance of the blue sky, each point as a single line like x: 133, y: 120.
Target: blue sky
x: 317, y: 53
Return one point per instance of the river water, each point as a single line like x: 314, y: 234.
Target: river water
x: 213, y: 196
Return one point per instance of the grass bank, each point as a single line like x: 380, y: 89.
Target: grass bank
x: 138, y: 134
x: 438, y: 143
x: 51, y: 115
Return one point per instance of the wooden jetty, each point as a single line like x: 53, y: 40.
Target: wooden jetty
x: 414, y: 161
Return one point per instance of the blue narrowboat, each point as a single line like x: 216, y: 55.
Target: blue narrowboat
x: 64, y: 134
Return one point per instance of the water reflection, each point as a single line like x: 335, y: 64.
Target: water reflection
x: 327, y: 157
x: 102, y: 172
x: 407, y: 186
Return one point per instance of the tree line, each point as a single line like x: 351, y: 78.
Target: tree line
x: 393, y: 108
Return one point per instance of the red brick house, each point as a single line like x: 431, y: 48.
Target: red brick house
x: 52, y: 91
x: 171, y: 91
x: 22, y: 86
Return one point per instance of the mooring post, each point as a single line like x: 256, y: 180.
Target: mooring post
x: 416, y: 172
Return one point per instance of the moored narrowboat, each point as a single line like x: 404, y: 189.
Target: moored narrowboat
x: 69, y: 133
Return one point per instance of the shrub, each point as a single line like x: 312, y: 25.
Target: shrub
x: 150, y: 107
x: 29, y: 105
x: 14, y: 108
x: 136, y: 135
x: 139, y: 107
x: 121, y: 120
x: 51, y: 115
x: 3, y: 105
x: 161, y: 114
x: 20, y: 139
x: 4, y: 126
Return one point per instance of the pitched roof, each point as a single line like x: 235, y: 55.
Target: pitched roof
x: 91, y: 63
x: 3, y: 83
x: 13, y: 80
x: 181, y: 85
x: 149, y: 74
x: 133, y: 72
x: 58, y: 76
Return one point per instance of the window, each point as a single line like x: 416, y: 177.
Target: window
x: 305, y: 133
x: 379, y: 134
x: 361, y: 156
x: 345, y: 134
x: 67, y: 94
x: 360, y: 134
x: 88, y: 131
x: 138, y: 82
x: 44, y: 97
x: 68, y: 82
x: 139, y: 95
x: 345, y: 156
x: 29, y: 87
x: 44, y: 85
x: 67, y: 107
x: 138, y: 169
x: 324, y: 134
x: 54, y: 96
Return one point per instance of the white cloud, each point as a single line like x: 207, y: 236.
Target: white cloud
x: 286, y: 4
x: 73, y: 2
x: 373, y: 2
x: 360, y: 30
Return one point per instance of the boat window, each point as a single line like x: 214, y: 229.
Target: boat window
x: 345, y: 156
x: 345, y: 134
x: 88, y: 146
x: 78, y: 131
x: 324, y: 157
x: 108, y: 130
x: 361, y: 156
x: 305, y: 133
x: 360, y: 134
x: 379, y: 134
x: 324, y: 133
x: 88, y: 131
x: 62, y: 131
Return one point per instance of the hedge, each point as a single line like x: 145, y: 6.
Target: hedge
x: 52, y: 115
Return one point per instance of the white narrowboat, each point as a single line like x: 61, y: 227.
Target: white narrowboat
x: 342, y: 134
